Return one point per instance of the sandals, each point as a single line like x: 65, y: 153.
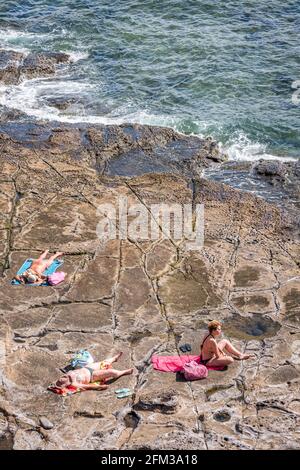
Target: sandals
x: 123, y: 392
x: 185, y: 347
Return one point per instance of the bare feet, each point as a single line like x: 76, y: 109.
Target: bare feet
x: 59, y: 253
x: 117, y: 356
x: 243, y: 357
x: 128, y: 372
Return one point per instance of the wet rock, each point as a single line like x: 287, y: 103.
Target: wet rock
x: 14, y: 66
x: 253, y: 302
x: 131, y: 419
x: 9, y: 66
x: 36, y: 65
x: 57, y: 57
x: 285, y: 179
x: 270, y: 169
x: 7, y: 114
x: 163, y: 402
x: 222, y: 416
x: 275, y: 181
x: 61, y: 102
x: 255, y: 326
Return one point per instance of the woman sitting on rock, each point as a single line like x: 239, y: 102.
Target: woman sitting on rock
x: 95, y: 372
x: 212, y: 353
x: 34, y: 275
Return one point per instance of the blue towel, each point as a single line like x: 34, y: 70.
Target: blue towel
x: 26, y: 265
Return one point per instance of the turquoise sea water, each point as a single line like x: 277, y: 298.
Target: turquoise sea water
x: 221, y: 68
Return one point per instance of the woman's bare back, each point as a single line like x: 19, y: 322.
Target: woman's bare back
x: 207, y: 350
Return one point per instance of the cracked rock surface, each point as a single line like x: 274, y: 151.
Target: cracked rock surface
x: 142, y: 297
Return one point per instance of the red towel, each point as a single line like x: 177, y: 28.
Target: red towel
x: 69, y: 390
x: 176, y: 363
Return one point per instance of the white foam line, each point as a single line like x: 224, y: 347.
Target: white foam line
x: 27, y: 96
x: 76, y: 56
x: 8, y: 34
x: 14, y: 48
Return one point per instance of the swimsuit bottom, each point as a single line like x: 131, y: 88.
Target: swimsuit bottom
x: 103, y: 365
x: 91, y: 371
x: 204, y: 361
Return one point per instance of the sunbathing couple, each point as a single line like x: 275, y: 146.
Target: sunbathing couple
x: 34, y: 275
x: 212, y: 353
x: 85, y: 377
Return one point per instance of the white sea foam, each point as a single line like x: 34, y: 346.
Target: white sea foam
x: 8, y: 34
x: 28, y: 98
x: 76, y: 56
x: 14, y: 48
x: 241, y: 148
x: 20, y: 41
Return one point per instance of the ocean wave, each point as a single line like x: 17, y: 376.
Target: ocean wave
x: 32, y: 97
x: 242, y: 148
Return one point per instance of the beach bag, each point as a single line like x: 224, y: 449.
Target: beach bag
x: 81, y: 359
x: 194, y: 371
x: 56, y: 278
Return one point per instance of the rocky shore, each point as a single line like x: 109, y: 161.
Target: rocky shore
x: 145, y: 297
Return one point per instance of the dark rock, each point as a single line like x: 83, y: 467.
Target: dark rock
x: 222, y: 416
x: 57, y: 57
x: 270, y: 168
x: 7, y: 114
x: 16, y: 65
x: 37, y: 65
x: 9, y: 66
x: 131, y: 419
x: 163, y: 402
x: 60, y: 102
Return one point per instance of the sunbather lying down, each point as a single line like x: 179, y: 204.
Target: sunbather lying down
x: 96, y: 372
x: 34, y: 275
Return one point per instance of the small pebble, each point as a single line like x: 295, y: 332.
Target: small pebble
x: 45, y: 423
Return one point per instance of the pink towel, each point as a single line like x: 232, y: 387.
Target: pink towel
x: 176, y: 363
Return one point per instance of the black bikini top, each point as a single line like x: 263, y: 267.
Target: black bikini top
x: 205, y: 340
